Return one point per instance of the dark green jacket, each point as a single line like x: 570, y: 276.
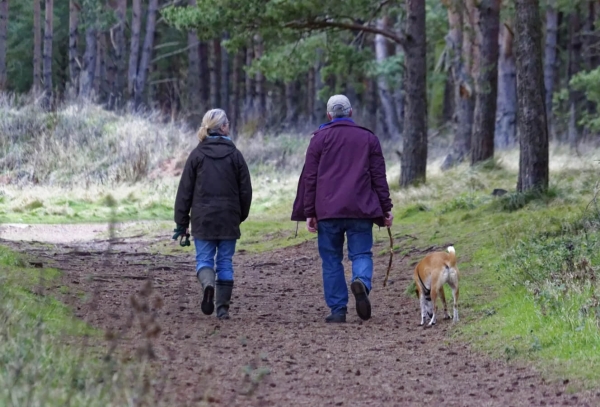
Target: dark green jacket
x: 215, y: 185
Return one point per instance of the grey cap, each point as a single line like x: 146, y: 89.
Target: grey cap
x: 338, y: 104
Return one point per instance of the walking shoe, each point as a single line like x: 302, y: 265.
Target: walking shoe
x: 336, y: 318
x: 363, y: 305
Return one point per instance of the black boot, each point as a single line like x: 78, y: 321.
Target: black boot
x: 206, y: 276
x: 223, y: 298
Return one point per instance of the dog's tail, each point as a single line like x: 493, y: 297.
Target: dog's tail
x: 452, y: 258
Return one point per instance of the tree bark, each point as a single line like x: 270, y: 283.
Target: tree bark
x: 531, y: 120
x: 48, y: 37
x: 249, y: 83
x: 120, y: 74
x: 136, y: 26
x: 310, y: 92
x: 214, y: 59
x: 482, y: 143
x: 100, y: 64
x: 193, y: 76
x: 224, y: 75
x: 575, y: 96
x: 261, y: 98
x: 3, y: 27
x: 390, y: 115
x: 400, y: 95
x: 414, y: 154
x: 460, y: 43
x: 74, y: 68
x: 140, y: 83
x: 234, y: 109
x: 448, y: 106
x: 37, y: 46
x: 592, y: 52
x: 319, y: 113
x: 291, y: 106
x: 204, y: 74
x: 507, y: 91
x: 89, y: 62
x: 550, y: 58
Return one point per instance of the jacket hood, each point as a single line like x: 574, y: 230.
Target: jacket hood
x: 216, y: 147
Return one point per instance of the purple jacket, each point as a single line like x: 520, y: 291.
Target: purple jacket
x: 343, y: 176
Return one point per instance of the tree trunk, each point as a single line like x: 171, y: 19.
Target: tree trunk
x: 592, y: 51
x: 74, y: 68
x: 140, y: 83
x: 89, y: 62
x: 448, y: 105
x: 108, y: 72
x: 214, y: 58
x: 291, y: 106
x: 319, y: 113
x: 575, y: 97
x: 224, y: 75
x: 204, y: 74
x: 310, y: 92
x: 234, y: 109
x: 414, y: 152
x: 250, y: 88
x: 3, y: 27
x: 507, y: 91
x: 120, y: 74
x: 482, y: 143
x: 390, y: 115
x: 531, y: 120
x: 372, y: 98
x: 460, y: 43
x: 37, y: 46
x: 48, y: 37
x: 261, y: 98
x: 550, y: 58
x: 136, y: 26
x: 400, y: 95
x: 193, y: 76
x: 100, y: 64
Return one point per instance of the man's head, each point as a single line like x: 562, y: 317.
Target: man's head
x: 338, y: 106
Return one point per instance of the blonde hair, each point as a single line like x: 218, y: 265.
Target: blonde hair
x: 211, y: 123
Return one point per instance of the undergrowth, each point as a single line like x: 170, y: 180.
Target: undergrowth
x: 50, y: 358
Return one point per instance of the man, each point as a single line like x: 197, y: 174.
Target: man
x: 343, y: 190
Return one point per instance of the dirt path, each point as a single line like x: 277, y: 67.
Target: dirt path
x: 276, y: 350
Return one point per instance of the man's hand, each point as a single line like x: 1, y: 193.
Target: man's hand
x: 388, y: 219
x: 311, y: 225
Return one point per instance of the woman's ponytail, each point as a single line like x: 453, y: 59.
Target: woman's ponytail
x: 212, y: 121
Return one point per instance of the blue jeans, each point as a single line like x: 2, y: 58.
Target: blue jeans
x: 331, y: 249
x: 224, y: 250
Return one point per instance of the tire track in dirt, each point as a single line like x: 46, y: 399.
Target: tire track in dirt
x: 276, y: 350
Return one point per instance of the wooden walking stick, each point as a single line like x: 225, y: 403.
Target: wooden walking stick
x: 387, y: 274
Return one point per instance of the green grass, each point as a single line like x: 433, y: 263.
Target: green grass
x: 37, y: 366
x: 501, y: 314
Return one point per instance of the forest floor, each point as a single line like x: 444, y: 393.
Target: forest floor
x: 276, y: 350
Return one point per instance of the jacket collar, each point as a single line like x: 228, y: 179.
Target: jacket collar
x: 346, y: 119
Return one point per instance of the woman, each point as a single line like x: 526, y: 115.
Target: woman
x: 215, y: 185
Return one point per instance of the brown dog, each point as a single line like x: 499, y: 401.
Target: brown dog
x: 435, y: 270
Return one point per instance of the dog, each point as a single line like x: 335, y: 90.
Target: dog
x: 431, y: 273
